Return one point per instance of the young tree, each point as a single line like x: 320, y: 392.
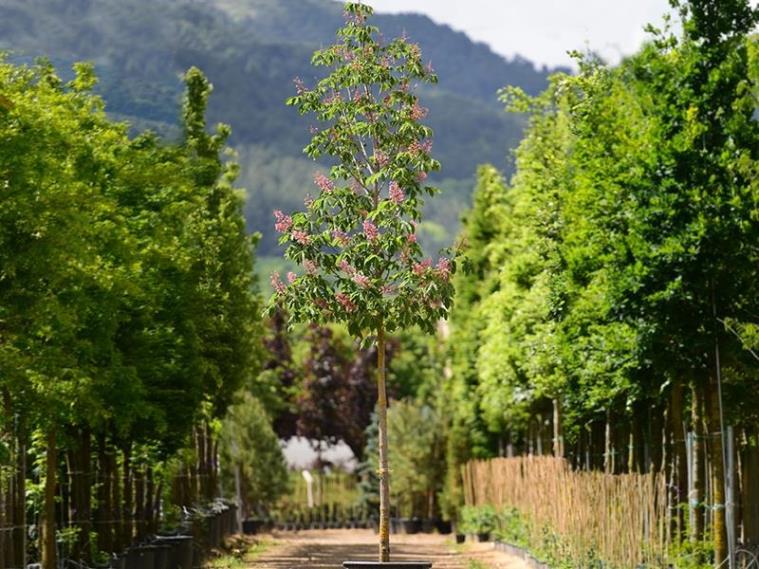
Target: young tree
x: 356, y: 239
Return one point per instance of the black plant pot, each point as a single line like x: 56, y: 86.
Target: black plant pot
x: 140, y: 557
x: 387, y: 565
x: 252, y: 527
x: 181, y: 553
x: 118, y: 562
x: 411, y: 525
x: 460, y: 538
x: 163, y: 557
x: 443, y: 527
x: 484, y: 536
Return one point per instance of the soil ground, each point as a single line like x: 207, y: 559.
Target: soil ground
x: 329, y: 548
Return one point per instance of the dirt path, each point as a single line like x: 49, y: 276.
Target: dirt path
x: 315, y: 549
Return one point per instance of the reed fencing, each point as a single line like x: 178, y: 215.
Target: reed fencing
x: 622, y: 519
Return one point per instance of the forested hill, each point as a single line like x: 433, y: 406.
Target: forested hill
x: 251, y: 50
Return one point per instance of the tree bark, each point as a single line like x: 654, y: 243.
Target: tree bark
x: 558, y: 437
x: 677, y: 433
x: 47, y: 536
x: 384, y: 471
x: 608, y: 447
x: 716, y: 460
x: 79, y: 465
x: 749, y: 486
x: 697, y: 497
x: 104, y: 518
x: 127, y: 528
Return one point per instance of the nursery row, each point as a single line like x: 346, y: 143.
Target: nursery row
x: 128, y: 318
x: 610, y: 317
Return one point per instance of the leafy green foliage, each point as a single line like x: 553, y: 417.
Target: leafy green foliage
x: 357, y: 238
x: 248, y: 444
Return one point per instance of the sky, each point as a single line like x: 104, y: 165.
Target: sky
x: 543, y: 30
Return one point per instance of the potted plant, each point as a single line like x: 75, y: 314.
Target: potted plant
x: 356, y: 239
x: 479, y: 521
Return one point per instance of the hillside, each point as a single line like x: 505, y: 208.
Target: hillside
x: 251, y: 50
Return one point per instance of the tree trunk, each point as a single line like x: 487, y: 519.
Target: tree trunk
x: 139, y: 501
x: 384, y: 471
x: 127, y: 528
x: 78, y: 461
x: 115, y: 499
x: 5, y: 490
x: 749, y: 487
x: 697, y: 497
x: 677, y: 430
x: 608, y: 448
x: 104, y: 518
x: 716, y: 460
x: 558, y: 437
x: 47, y: 536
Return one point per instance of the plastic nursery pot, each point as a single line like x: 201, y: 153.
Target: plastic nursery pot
x: 180, y: 556
x: 387, y: 565
x: 162, y: 557
x: 141, y: 557
x: 411, y: 525
x: 252, y: 527
x: 443, y: 526
x: 460, y: 538
x: 118, y: 562
x: 482, y: 537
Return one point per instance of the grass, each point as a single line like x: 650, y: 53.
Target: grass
x: 475, y: 564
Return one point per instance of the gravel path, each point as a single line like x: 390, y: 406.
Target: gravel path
x: 329, y: 548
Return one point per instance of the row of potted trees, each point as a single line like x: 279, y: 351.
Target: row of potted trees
x: 316, y: 521
x: 203, y: 530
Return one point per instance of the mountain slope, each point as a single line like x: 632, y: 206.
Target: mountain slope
x: 251, y: 50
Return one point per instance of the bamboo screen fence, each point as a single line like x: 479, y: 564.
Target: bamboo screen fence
x: 622, y: 518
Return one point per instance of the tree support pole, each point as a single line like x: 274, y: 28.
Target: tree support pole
x: 384, y: 472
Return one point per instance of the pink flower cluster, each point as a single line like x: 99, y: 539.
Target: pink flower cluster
x: 355, y: 19
x: 291, y: 276
x: 443, y: 267
x: 370, y: 230
x: 341, y: 237
x: 324, y: 183
x: 411, y: 238
x: 300, y: 87
x: 310, y: 266
x: 418, y: 112
x: 381, y: 159
x: 361, y: 280
x: 422, y: 267
x: 345, y: 267
x: 332, y: 98
x: 421, y: 176
x: 396, y: 193
x: 301, y: 237
x: 282, y: 222
x: 278, y: 286
x: 417, y: 147
x: 346, y: 302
